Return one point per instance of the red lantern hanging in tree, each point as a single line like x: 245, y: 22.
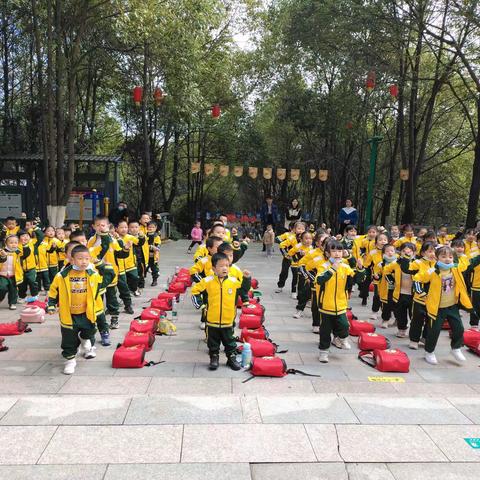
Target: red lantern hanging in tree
x: 137, y: 95
x: 158, y: 96
x: 349, y: 125
x: 216, y: 111
x: 370, y: 83
x: 393, y: 89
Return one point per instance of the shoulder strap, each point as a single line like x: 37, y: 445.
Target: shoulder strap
x: 293, y: 371
x: 369, y: 360
x: 152, y: 363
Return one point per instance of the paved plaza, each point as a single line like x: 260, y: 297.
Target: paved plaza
x: 178, y: 420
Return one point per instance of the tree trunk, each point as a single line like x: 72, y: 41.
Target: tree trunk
x: 474, y: 194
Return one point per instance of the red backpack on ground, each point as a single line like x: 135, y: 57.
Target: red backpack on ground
x: 14, y: 328
x: 177, y: 287
x: 359, y: 326
x: 391, y: 360
x: 253, y: 309
x: 350, y: 315
x: 150, y: 313
x: 3, y: 348
x: 471, y: 339
x: 247, y: 333
x: 372, y: 341
x: 185, y: 278
x: 161, y: 304
x: 143, y: 326
x: 168, y: 296
x: 131, y: 357
x: 263, y: 347
x: 37, y: 303
x: 32, y: 314
x: 250, y: 321
x: 272, y: 367
x: 135, y: 338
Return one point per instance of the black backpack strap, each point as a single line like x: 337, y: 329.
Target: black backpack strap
x: 282, y: 351
x: 248, y: 379
x: 293, y: 371
x: 152, y: 363
x: 368, y: 358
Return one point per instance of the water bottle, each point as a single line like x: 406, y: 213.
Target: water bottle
x: 246, y: 355
x: 174, y: 310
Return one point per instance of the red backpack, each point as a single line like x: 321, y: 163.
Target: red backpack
x: 247, y: 333
x: 263, y: 347
x: 350, y: 315
x: 250, y: 321
x: 253, y: 309
x: 272, y: 367
x: 3, y: 347
x: 14, y: 328
x: 254, y: 283
x: 185, y: 278
x: 37, y: 303
x: 359, y: 326
x: 391, y: 360
x: 150, y: 313
x: 471, y: 339
x: 161, y: 304
x: 131, y: 357
x: 136, y: 338
x: 143, y: 326
x: 168, y: 296
x: 372, y: 341
x: 177, y: 287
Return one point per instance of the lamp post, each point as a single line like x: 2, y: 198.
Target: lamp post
x: 374, y: 141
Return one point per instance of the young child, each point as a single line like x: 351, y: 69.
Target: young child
x: 76, y: 292
x: 296, y: 253
x: 385, y: 284
x: 269, y: 240
x: 471, y: 244
x: 143, y: 255
x: 349, y: 237
x: 234, y: 270
x: 285, y: 246
x: 29, y: 266
x: 443, y: 237
x: 461, y: 259
x: 125, y: 237
x: 362, y: 247
x: 419, y: 319
x: 408, y: 236
x: 154, y: 242
x: 196, y: 235
x: 217, y: 230
x: 11, y: 272
x: 394, y: 233
x: 222, y: 291
x: 447, y: 291
x: 11, y: 226
x: 62, y: 241
x: 138, y: 250
x: 331, y: 282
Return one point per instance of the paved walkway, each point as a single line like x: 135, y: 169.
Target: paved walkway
x: 179, y: 420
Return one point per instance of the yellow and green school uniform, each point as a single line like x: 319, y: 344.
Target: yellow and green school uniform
x: 471, y: 249
x: 29, y: 266
x: 11, y: 275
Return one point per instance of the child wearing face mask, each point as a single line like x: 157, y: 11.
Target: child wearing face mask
x: 331, y: 283
x: 11, y: 273
x: 447, y: 291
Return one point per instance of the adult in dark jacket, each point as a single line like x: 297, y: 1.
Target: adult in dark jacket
x: 348, y: 215
x: 269, y: 215
x: 293, y: 213
x: 119, y: 213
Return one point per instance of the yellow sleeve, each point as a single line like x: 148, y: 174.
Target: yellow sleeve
x: 387, y: 269
x: 198, y: 288
x: 423, y: 276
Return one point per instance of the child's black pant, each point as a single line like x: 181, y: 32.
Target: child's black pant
x: 388, y: 307
x: 315, y: 310
x: 8, y: 286
x: 303, y: 289
x: 452, y: 315
x: 403, y: 311
x: 123, y: 290
x: 365, y: 285
x: 82, y: 326
x: 475, y: 314
x: 338, y: 324
x: 132, y: 280
x: 29, y: 281
x: 283, y: 272
x: 194, y: 242
x: 153, y: 266
x: 141, y: 270
x: 43, y: 280
x: 217, y: 336
x: 376, y: 303
x: 419, y: 322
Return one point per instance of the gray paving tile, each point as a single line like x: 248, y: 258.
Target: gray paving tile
x: 53, y: 472
x: 386, y: 443
x: 324, y: 442
x: 92, y: 367
x: 368, y: 471
x: 13, y: 367
x: 264, y: 385
x: 201, y: 371
x: 192, y: 386
x: 179, y: 471
x: 117, y: 444
x: 23, y: 445
x: 330, y: 386
x: 383, y: 410
x: 469, y: 406
x: 162, y: 370
x: 250, y: 410
x: 299, y: 471
x: 68, y: 410
x: 184, y: 409
x: 6, y: 403
x: 107, y: 386
x: 445, y: 471
x: 362, y: 372
x: 266, y: 443
x: 434, y: 389
x: 320, y: 408
x: 449, y: 375
x: 450, y: 439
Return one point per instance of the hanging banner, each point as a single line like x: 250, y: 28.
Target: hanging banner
x: 313, y: 174
x: 195, y: 167
x: 294, y: 174
x: 224, y: 169
x: 281, y: 173
x: 238, y: 171
x: 252, y: 172
x: 267, y: 173
x: 323, y: 175
x: 404, y: 174
x: 209, y: 168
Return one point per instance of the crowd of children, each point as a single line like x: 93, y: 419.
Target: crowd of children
x: 81, y: 276
x: 419, y: 281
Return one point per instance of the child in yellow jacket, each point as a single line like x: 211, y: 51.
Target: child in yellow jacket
x: 385, y: 283
x: 221, y: 310
x: 76, y: 292
x: 332, y: 295
x: 446, y: 294
x: 29, y: 265
x: 11, y: 273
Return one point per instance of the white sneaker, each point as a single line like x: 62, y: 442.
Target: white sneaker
x: 373, y: 316
x: 137, y: 293
x: 69, y: 367
x: 323, y: 356
x: 401, y: 334
x: 298, y: 314
x: 431, y: 358
x: 384, y: 324
x: 315, y: 329
x: 458, y: 355
x: 86, y: 350
x: 294, y: 295
x: 12, y: 307
x: 202, y: 325
x: 21, y: 301
x: 342, y: 343
x: 278, y: 290
x: 413, y: 345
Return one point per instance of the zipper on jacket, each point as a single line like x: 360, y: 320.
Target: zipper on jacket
x: 221, y: 301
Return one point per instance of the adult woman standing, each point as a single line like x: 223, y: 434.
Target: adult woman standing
x: 348, y: 215
x: 293, y: 213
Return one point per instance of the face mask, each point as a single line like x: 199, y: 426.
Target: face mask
x: 76, y: 268
x: 334, y: 260
x: 388, y: 259
x: 445, y: 266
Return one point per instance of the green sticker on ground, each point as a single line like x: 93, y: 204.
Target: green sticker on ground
x: 473, y: 442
